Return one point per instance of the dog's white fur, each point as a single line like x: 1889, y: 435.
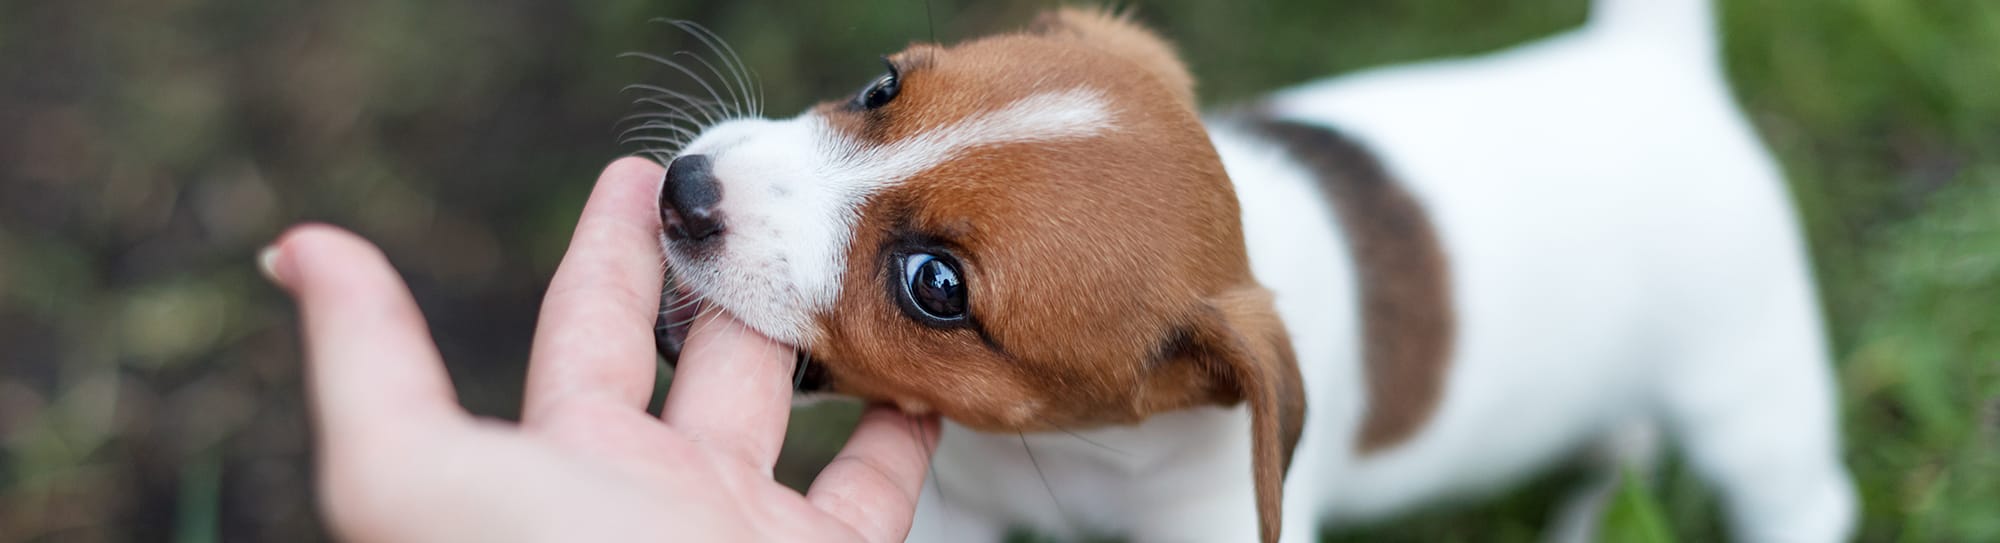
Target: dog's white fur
x: 1626, y: 262
x: 1622, y: 250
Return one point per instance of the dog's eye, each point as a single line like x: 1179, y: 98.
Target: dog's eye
x: 883, y: 90
x: 933, y: 286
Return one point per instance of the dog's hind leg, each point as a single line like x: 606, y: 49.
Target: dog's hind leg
x: 1753, y: 409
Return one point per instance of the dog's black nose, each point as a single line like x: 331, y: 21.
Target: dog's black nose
x: 689, y: 200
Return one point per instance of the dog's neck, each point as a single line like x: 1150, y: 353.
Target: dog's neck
x: 1097, y: 481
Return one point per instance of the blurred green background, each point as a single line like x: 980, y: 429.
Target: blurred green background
x: 149, y: 381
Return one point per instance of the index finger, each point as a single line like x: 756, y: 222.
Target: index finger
x: 594, y: 339
x: 371, y: 364
x: 874, y: 483
x: 732, y: 389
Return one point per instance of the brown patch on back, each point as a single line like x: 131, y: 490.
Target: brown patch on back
x: 1405, y: 287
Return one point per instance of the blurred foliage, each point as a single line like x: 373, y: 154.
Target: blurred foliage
x: 149, y: 382
x: 1635, y: 514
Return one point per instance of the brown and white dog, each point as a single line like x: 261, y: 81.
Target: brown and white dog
x: 1354, y: 297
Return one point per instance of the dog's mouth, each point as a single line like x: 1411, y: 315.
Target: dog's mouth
x: 676, y: 317
x: 810, y: 377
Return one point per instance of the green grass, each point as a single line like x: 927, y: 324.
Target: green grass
x: 1636, y: 514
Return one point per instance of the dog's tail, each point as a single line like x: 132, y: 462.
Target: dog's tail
x: 1685, y: 24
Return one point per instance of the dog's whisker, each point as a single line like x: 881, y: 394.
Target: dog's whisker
x: 687, y: 321
x: 707, y: 318
x: 679, y: 323
x: 679, y: 295
x: 673, y: 308
x: 676, y: 145
x: 1088, y: 440
x: 682, y: 134
x: 686, y: 116
x: 721, y: 48
x: 707, y: 118
x: 683, y: 303
x: 670, y: 115
x: 799, y: 362
x: 730, y: 81
x: 658, y: 126
x: 1043, y: 476
x: 930, y: 25
x: 708, y: 110
x: 656, y: 89
x: 745, y: 76
x: 663, y: 118
x: 736, y: 100
x: 656, y: 154
x: 665, y: 156
x: 676, y: 121
x: 700, y: 323
x: 670, y: 63
x: 756, y: 94
x: 709, y: 38
x: 674, y: 303
x: 656, y: 139
x: 677, y: 141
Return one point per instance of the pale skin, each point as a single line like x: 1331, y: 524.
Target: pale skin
x: 400, y: 460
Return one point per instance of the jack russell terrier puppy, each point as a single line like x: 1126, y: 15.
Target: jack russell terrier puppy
x: 1348, y: 299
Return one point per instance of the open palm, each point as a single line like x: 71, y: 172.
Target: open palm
x: 401, y: 461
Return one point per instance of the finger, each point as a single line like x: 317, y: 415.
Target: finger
x: 371, y: 365
x: 732, y: 389
x: 595, y: 336
x: 874, y: 483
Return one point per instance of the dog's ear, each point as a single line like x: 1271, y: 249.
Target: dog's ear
x: 1117, y: 33
x: 1235, y: 349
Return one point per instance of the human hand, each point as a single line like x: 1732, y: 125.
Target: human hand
x: 400, y: 460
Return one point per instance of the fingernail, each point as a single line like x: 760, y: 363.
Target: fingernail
x: 267, y: 263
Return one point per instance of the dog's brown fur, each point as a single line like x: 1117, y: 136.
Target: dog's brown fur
x: 1108, y: 275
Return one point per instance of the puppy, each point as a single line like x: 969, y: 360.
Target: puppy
x: 1348, y: 299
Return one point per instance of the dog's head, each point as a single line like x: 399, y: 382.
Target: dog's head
x: 1029, y: 231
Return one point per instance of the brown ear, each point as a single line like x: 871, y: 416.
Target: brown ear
x: 1115, y: 32
x: 1243, y: 344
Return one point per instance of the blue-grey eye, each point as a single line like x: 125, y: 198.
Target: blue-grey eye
x: 933, y: 285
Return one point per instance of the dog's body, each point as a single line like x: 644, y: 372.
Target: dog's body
x: 1623, y: 259
x: 1484, y: 266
